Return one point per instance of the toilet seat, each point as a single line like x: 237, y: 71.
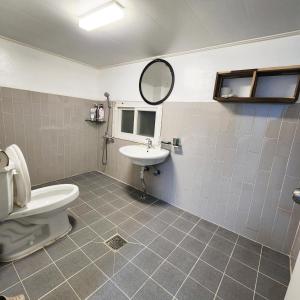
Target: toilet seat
x: 47, y: 199
x: 39, y: 201
x: 22, y: 192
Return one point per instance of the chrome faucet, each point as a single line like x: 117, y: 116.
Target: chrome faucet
x: 148, y: 142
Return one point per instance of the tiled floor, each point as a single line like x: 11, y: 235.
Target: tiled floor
x: 170, y: 254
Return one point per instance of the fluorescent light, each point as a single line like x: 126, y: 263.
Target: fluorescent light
x: 101, y: 16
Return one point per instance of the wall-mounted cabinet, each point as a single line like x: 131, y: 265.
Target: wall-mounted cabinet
x: 268, y: 85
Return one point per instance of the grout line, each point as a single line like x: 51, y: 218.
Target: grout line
x: 258, y: 267
x: 191, y: 270
x: 225, y: 270
x: 162, y: 262
x: 61, y: 274
x: 21, y: 281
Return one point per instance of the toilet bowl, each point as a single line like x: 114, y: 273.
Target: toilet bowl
x: 30, y: 219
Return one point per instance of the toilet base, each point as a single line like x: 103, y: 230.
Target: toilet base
x: 23, y: 236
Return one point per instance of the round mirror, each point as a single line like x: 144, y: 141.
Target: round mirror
x: 156, y: 82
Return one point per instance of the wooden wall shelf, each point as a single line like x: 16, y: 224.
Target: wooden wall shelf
x: 267, y: 85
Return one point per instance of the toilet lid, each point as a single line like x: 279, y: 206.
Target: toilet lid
x: 22, y: 191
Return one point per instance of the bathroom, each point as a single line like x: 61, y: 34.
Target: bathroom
x: 162, y: 146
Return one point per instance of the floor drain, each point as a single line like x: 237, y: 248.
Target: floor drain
x: 116, y: 242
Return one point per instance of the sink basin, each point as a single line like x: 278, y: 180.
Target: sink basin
x: 141, y: 156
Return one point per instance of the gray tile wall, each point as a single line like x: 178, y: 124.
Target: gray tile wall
x: 51, y: 131
x: 238, y: 168
x: 295, y: 248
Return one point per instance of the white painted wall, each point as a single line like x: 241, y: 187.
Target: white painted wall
x: 195, y: 72
x: 25, y: 68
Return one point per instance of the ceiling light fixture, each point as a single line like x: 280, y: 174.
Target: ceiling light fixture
x: 101, y: 16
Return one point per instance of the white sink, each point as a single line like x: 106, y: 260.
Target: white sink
x: 141, y: 156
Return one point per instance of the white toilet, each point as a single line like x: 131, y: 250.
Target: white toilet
x: 30, y: 220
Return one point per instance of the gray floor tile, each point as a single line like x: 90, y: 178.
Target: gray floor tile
x: 82, y: 209
x: 99, y: 191
x: 201, y: 234
x: 247, y: 257
x: 99, y: 201
x: 232, y: 290
x: 276, y: 257
x: 145, y: 235
x: 60, y: 248
x: 175, y: 210
x: 242, y: 273
x: 117, y: 217
x: 162, y: 247
x: 157, y: 225
x: 148, y: 261
x: 167, y: 216
x: 192, y: 245
x: 150, y: 291
x: 174, y: 235
x: 112, y: 187
x: 249, y: 245
x: 269, y: 288
x: 229, y: 235
x: 108, y: 292
x: 130, y: 250
x: 190, y: 217
x: 76, y: 202
x: 258, y: 297
x: 130, y: 226
x: 215, y: 258
x: 169, y: 277
x: 183, y: 224
x: 208, y: 225
x: 206, y: 275
x: 274, y: 271
x: 91, y: 217
x: 83, y: 236
x: 119, y: 203
x: 95, y: 250
x: 8, y: 277
x: 191, y: 290
x: 88, y: 196
x: 15, y: 290
x: 32, y: 263
x: 129, y: 279
x: 110, y: 197
x: 130, y: 210
x: 64, y: 291
x: 182, y: 260
x: 102, y: 226
x: 155, y: 209
x: 72, y: 263
x: 87, y: 281
x: 221, y: 244
x: 111, y: 263
x: 143, y: 217
x: 106, y: 209
x: 42, y: 282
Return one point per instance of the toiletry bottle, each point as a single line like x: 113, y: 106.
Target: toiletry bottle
x: 101, y: 112
x: 93, y: 113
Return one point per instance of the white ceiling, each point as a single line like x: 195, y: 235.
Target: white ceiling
x: 150, y: 27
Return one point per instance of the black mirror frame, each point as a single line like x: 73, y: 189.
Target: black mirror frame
x: 172, y: 84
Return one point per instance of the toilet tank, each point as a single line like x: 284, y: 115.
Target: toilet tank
x: 6, y: 191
